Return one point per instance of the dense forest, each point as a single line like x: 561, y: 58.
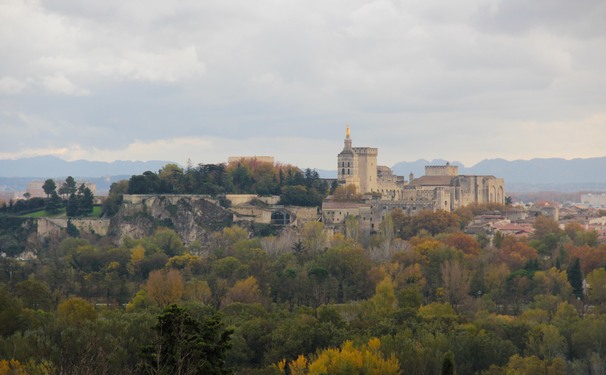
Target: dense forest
x: 419, y: 296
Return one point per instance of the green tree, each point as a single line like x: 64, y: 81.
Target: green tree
x: 448, y: 364
x: 112, y: 203
x: 168, y: 241
x: 596, y: 281
x: 147, y: 183
x: 68, y: 187
x: 49, y: 187
x: 75, y: 311
x: 71, y: 209
x: 575, y: 278
x: 54, y: 204
x: 72, y: 230
x: 185, y: 345
x: 170, y: 176
x: 34, y: 294
x: 11, y: 318
x: 85, y: 200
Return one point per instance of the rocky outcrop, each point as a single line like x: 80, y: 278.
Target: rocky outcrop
x: 193, y: 217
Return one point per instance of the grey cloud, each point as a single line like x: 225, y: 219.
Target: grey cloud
x: 156, y: 70
x: 578, y: 18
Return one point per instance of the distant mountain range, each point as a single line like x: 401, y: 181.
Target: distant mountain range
x: 51, y: 166
x: 15, y: 174
x: 520, y: 175
x: 534, y: 175
x: 528, y: 175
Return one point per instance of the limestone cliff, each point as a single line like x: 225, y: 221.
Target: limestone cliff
x: 193, y: 217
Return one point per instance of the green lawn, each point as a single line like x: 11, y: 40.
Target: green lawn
x: 42, y: 213
x: 96, y: 211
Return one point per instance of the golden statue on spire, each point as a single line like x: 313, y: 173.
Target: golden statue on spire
x: 347, y: 132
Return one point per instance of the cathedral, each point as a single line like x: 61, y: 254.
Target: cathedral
x: 441, y: 188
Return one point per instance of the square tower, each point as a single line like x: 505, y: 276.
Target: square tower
x: 357, y: 166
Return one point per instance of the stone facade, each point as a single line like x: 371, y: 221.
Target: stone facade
x: 594, y: 199
x: 441, y: 188
x: 49, y: 226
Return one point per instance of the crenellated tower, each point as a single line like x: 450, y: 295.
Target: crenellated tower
x: 357, y: 166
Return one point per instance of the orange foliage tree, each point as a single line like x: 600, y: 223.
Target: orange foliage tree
x: 591, y: 257
x: 515, y: 252
x: 464, y: 242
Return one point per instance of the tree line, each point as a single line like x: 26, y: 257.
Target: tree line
x: 77, y: 200
x: 294, y: 186
x: 419, y: 296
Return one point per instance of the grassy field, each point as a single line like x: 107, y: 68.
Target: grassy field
x: 96, y: 211
x: 42, y: 213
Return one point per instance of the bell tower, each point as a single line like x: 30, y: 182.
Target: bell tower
x: 346, y: 161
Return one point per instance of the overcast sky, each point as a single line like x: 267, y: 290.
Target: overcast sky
x: 459, y: 80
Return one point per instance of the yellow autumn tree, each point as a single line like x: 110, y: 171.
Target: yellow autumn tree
x: 136, y: 257
x: 11, y: 367
x: 534, y: 365
x: 344, y: 361
x: 243, y: 291
x: 75, y: 311
x: 198, y: 290
x: 165, y: 287
x: 384, y: 302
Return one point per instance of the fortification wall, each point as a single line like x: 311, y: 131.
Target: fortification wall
x: 441, y: 170
x: 48, y: 226
x: 251, y: 213
x: 238, y: 199
x: 304, y: 214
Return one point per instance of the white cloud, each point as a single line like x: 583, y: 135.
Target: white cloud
x: 11, y: 86
x: 168, y: 66
x: 59, y: 84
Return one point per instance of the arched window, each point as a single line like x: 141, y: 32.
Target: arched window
x: 280, y: 218
x: 348, y: 171
x: 343, y: 171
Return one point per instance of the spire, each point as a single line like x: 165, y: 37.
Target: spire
x: 347, y: 139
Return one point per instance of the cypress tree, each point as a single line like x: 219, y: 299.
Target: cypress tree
x: 575, y: 278
x: 448, y: 364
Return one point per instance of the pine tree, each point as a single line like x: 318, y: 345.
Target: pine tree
x: 187, y: 345
x: 72, y: 206
x: 54, y: 203
x: 85, y: 201
x: 448, y: 364
x: 575, y: 278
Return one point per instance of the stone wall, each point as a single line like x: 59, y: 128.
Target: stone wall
x: 49, y: 226
x: 442, y: 170
x: 238, y: 199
